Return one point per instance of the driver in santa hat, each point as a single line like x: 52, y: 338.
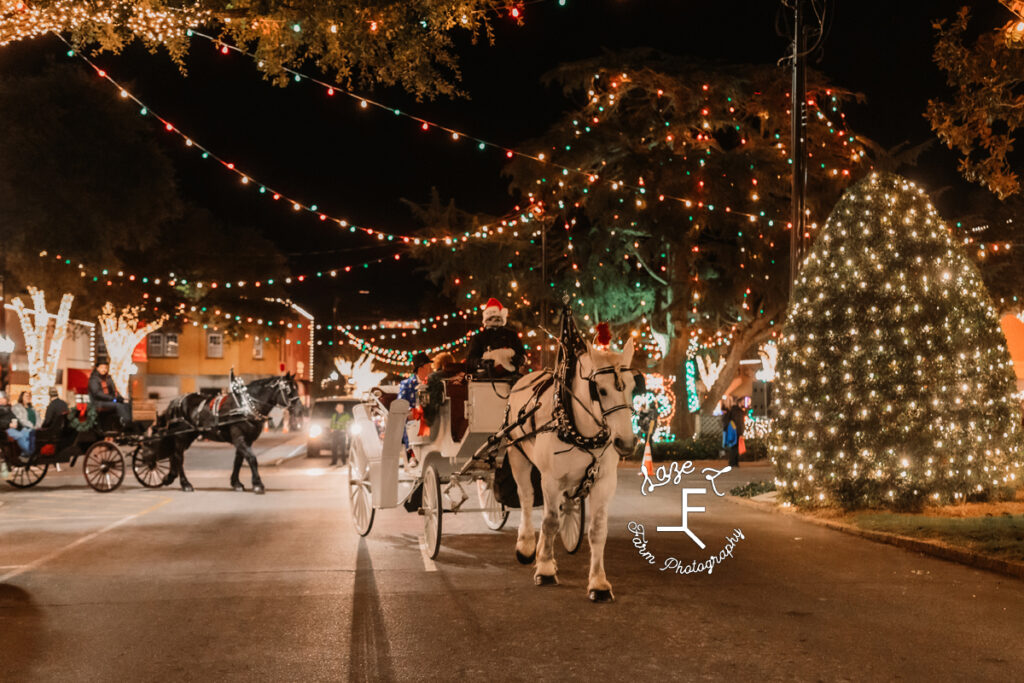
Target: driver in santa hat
x: 496, y: 342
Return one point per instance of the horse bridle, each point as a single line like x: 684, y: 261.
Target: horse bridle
x: 619, y: 386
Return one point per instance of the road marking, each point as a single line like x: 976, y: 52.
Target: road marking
x: 74, y: 544
x: 428, y: 564
x: 298, y: 449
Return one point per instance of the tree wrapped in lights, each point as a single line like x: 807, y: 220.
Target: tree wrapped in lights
x: 894, y: 382
x: 121, y: 334
x: 42, y: 360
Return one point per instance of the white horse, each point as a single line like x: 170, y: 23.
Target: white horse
x: 600, y: 405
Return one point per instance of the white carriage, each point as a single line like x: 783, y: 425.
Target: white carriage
x: 461, y: 451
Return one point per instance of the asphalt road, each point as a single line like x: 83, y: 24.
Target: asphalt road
x: 160, y: 585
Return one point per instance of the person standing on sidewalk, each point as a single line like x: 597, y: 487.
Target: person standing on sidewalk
x: 732, y: 429
x: 340, y: 421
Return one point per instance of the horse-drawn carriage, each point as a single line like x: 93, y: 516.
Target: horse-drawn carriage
x: 157, y: 453
x: 471, y: 411
x: 103, y: 447
x: 558, y: 433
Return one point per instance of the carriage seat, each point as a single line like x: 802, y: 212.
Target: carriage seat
x: 457, y: 393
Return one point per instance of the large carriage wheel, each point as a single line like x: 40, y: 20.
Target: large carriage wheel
x: 24, y: 476
x: 104, y: 466
x: 571, y: 518
x: 360, y: 495
x: 433, y: 511
x: 149, y: 468
x: 495, y: 514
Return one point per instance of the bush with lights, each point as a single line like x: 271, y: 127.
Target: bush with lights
x: 895, y: 385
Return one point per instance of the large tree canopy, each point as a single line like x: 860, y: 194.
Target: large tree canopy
x: 369, y: 42
x: 666, y: 198
x: 986, y: 107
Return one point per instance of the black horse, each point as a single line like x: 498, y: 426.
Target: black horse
x: 222, y: 419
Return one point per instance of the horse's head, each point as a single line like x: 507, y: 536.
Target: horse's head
x: 611, y: 388
x: 287, y: 392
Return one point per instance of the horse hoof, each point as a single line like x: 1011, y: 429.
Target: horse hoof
x: 525, y: 559
x: 188, y: 488
x: 258, y: 488
x: 545, y: 580
x: 601, y: 596
x: 238, y: 487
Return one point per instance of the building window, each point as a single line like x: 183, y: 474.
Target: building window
x: 257, y: 347
x: 171, y: 345
x: 214, y: 345
x: 155, y: 345
x: 162, y: 345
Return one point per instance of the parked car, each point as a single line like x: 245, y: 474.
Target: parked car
x: 319, y: 424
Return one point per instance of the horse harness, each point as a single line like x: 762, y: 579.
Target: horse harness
x: 561, y: 422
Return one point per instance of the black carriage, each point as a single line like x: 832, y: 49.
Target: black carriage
x: 103, y: 449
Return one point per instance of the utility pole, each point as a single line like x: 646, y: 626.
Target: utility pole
x: 544, y: 295
x: 798, y: 141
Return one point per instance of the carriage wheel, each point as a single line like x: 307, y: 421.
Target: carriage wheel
x: 571, y: 518
x: 360, y: 495
x: 104, y: 466
x: 24, y: 476
x: 495, y: 514
x: 150, y: 469
x: 432, y: 510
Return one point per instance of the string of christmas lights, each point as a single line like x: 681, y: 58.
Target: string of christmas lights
x: 402, y: 357
x: 457, y: 135
x: 483, y: 232
x: 445, y: 317
x: 109, y: 276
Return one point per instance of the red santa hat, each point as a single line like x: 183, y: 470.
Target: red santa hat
x: 493, y: 308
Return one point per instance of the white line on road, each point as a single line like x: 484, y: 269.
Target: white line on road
x: 428, y: 564
x: 298, y: 449
x: 74, y: 544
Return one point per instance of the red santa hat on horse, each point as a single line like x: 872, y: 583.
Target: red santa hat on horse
x: 494, y: 313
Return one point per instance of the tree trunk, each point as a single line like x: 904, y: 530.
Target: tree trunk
x: 758, y: 331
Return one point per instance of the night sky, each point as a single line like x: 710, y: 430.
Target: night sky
x: 359, y: 163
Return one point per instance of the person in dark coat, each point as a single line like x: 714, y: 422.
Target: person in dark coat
x: 104, y: 396
x: 496, y: 343
x: 732, y: 429
x: 56, y: 412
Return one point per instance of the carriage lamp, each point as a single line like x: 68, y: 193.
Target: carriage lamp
x: 315, y: 431
x: 355, y: 429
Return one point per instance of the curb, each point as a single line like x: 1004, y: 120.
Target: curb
x: 938, y: 549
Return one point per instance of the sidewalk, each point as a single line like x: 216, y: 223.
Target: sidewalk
x: 945, y: 551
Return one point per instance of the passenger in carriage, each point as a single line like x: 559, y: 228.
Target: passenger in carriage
x: 496, y: 343
x: 56, y: 412
x: 422, y: 365
x: 22, y: 434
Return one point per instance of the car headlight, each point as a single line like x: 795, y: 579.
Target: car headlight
x: 315, y: 431
x: 355, y: 429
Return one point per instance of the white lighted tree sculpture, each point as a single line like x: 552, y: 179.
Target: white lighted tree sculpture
x: 121, y: 334
x: 42, y: 360
x: 360, y: 373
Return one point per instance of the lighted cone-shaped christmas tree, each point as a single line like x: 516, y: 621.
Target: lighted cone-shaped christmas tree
x: 894, y: 383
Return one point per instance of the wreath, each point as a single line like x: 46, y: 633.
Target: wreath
x: 83, y: 418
